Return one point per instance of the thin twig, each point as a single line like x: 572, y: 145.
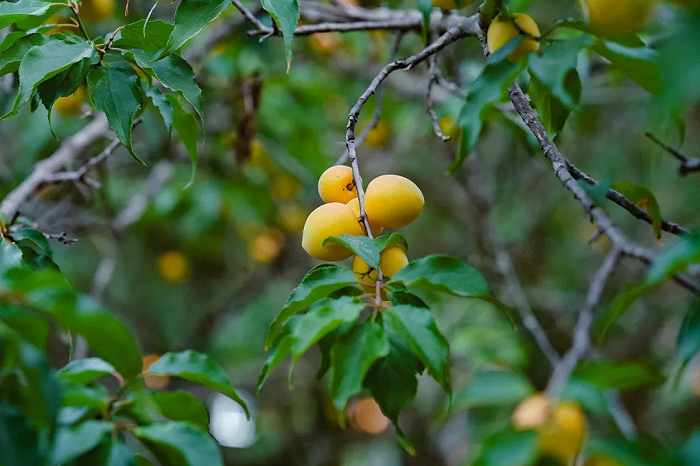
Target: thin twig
x: 432, y: 80
x: 687, y: 164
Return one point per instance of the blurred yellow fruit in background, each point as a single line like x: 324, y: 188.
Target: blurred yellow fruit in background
x: 392, y: 259
x: 97, y: 10
x: 616, y: 17
x: 58, y: 19
x: 336, y: 185
x: 393, y: 201
x: 291, y: 217
x: 266, y: 246
x: 379, y: 136
x: 325, y: 43
x: 333, y: 219
x: 365, y: 415
x: 449, y: 127
x: 71, y: 105
x: 173, y: 266
x: 284, y: 187
x: 502, y: 30
x: 355, y: 206
x: 154, y: 382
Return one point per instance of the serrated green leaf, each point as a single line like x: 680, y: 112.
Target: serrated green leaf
x: 385, y: 241
x: 183, y: 440
x: 72, y: 442
x: 620, y: 375
x: 12, y: 12
x: 360, y: 245
x: 84, y: 396
x: 11, y: 56
x: 318, y: 283
x: 286, y: 14
x: 494, y: 388
x: 114, y: 91
x: 197, y: 368
x: 640, y: 64
x: 444, y: 274
x: 190, y: 18
x: 165, y: 108
x: 182, y: 406
x: 511, y: 448
x: 85, y: 370
x: 642, y: 196
x: 65, y: 83
x: 275, y: 355
x: 45, y: 61
x: 352, y: 356
x: 188, y: 131
x: 498, y: 73
x: 10, y: 256
x: 132, y: 36
x: 34, y: 239
x: 674, y: 258
x: 323, y: 317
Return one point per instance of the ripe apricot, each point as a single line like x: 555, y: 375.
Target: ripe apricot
x: 503, y: 30
x: 379, y: 136
x: 391, y: 260
x: 333, y: 219
x: 97, y: 10
x: 173, y: 266
x: 366, y: 415
x: 154, y: 382
x: 336, y: 185
x: 618, y: 17
x: 266, y: 246
x: 354, y: 204
x: 72, y: 104
x: 561, y: 425
x: 393, y: 201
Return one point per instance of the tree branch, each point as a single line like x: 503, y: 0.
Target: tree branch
x: 687, y: 164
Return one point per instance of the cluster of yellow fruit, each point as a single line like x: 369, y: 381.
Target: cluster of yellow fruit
x: 391, y: 201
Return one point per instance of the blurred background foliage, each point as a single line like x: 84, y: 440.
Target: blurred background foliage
x: 210, y: 266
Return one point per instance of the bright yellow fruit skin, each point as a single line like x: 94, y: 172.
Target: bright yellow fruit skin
x: 72, y: 104
x: 561, y: 425
x: 393, y: 201
x: 336, y: 185
x: 451, y: 4
x: 391, y: 260
x: 333, y: 219
x: 503, y: 30
x: 355, y: 206
x: 97, y: 10
x: 616, y: 17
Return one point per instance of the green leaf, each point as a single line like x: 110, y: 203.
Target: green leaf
x: 591, y: 397
x: 108, y: 337
x: 165, y: 108
x: 360, y: 245
x: 19, y: 443
x: 619, y: 306
x: 597, y: 192
x: 12, y: 56
x: 34, y: 239
x: 688, y: 340
x: 113, y: 90
x: 642, y: 197
x: 637, y: 63
x: 674, y: 258
x: 426, y: 8
x: 551, y: 111
x: 494, y: 388
x: 197, y: 368
x: 190, y: 18
x: 85, y: 370
x: 498, y: 73
x: 679, y: 62
x: 385, y: 241
x: 182, y: 406
x: 72, y: 442
x: 174, y: 73
x: 323, y: 317
x: 40, y: 398
x: 65, y: 83
x: 188, y: 130
x: 84, y: 396
x: 286, y: 14
x: 275, y: 355
x: 620, y: 375
x: 416, y: 326
x: 318, y: 283
x: 10, y: 256
x: 11, y: 13
x: 45, y: 61
x: 510, y: 448
x: 352, y: 356
x: 184, y: 441
x: 132, y: 36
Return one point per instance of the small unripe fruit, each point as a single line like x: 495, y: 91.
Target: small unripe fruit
x: 355, y: 206
x: 72, y: 104
x: 333, y: 219
x: 502, y: 30
x: 393, y: 201
x: 336, y: 185
x: 617, y: 17
x: 392, y: 259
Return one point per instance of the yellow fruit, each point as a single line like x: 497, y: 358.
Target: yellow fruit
x: 72, y: 104
x: 354, y: 204
x: 449, y: 127
x: 503, y: 30
x: 154, y: 382
x: 379, y: 136
x: 333, y: 219
x: 292, y: 217
x: 266, y: 246
x: 561, y: 425
x: 97, y: 10
x: 616, y: 17
x: 284, y: 187
x: 336, y: 185
x: 173, y: 266
x: 391, y: 260
x: 393, y: 201
x: 366, y: 415
x: 451, y: 4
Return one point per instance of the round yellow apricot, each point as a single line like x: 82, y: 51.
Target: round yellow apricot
x: 333, y: 219
x: 266, y: 246
x: 391, y: 260
x: 97, y: 10
x: 336, y: 185
x: 154, y: 382
x: 618, y: 17
x: 354, y: 204
x: 561, y: 425
x: 393, y: 201
x: 503, y: 30
x: 366, y: 416
x: 379, y: 136
x: 451, y: 4
x: 72, y: 104
x: 173, y: 266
